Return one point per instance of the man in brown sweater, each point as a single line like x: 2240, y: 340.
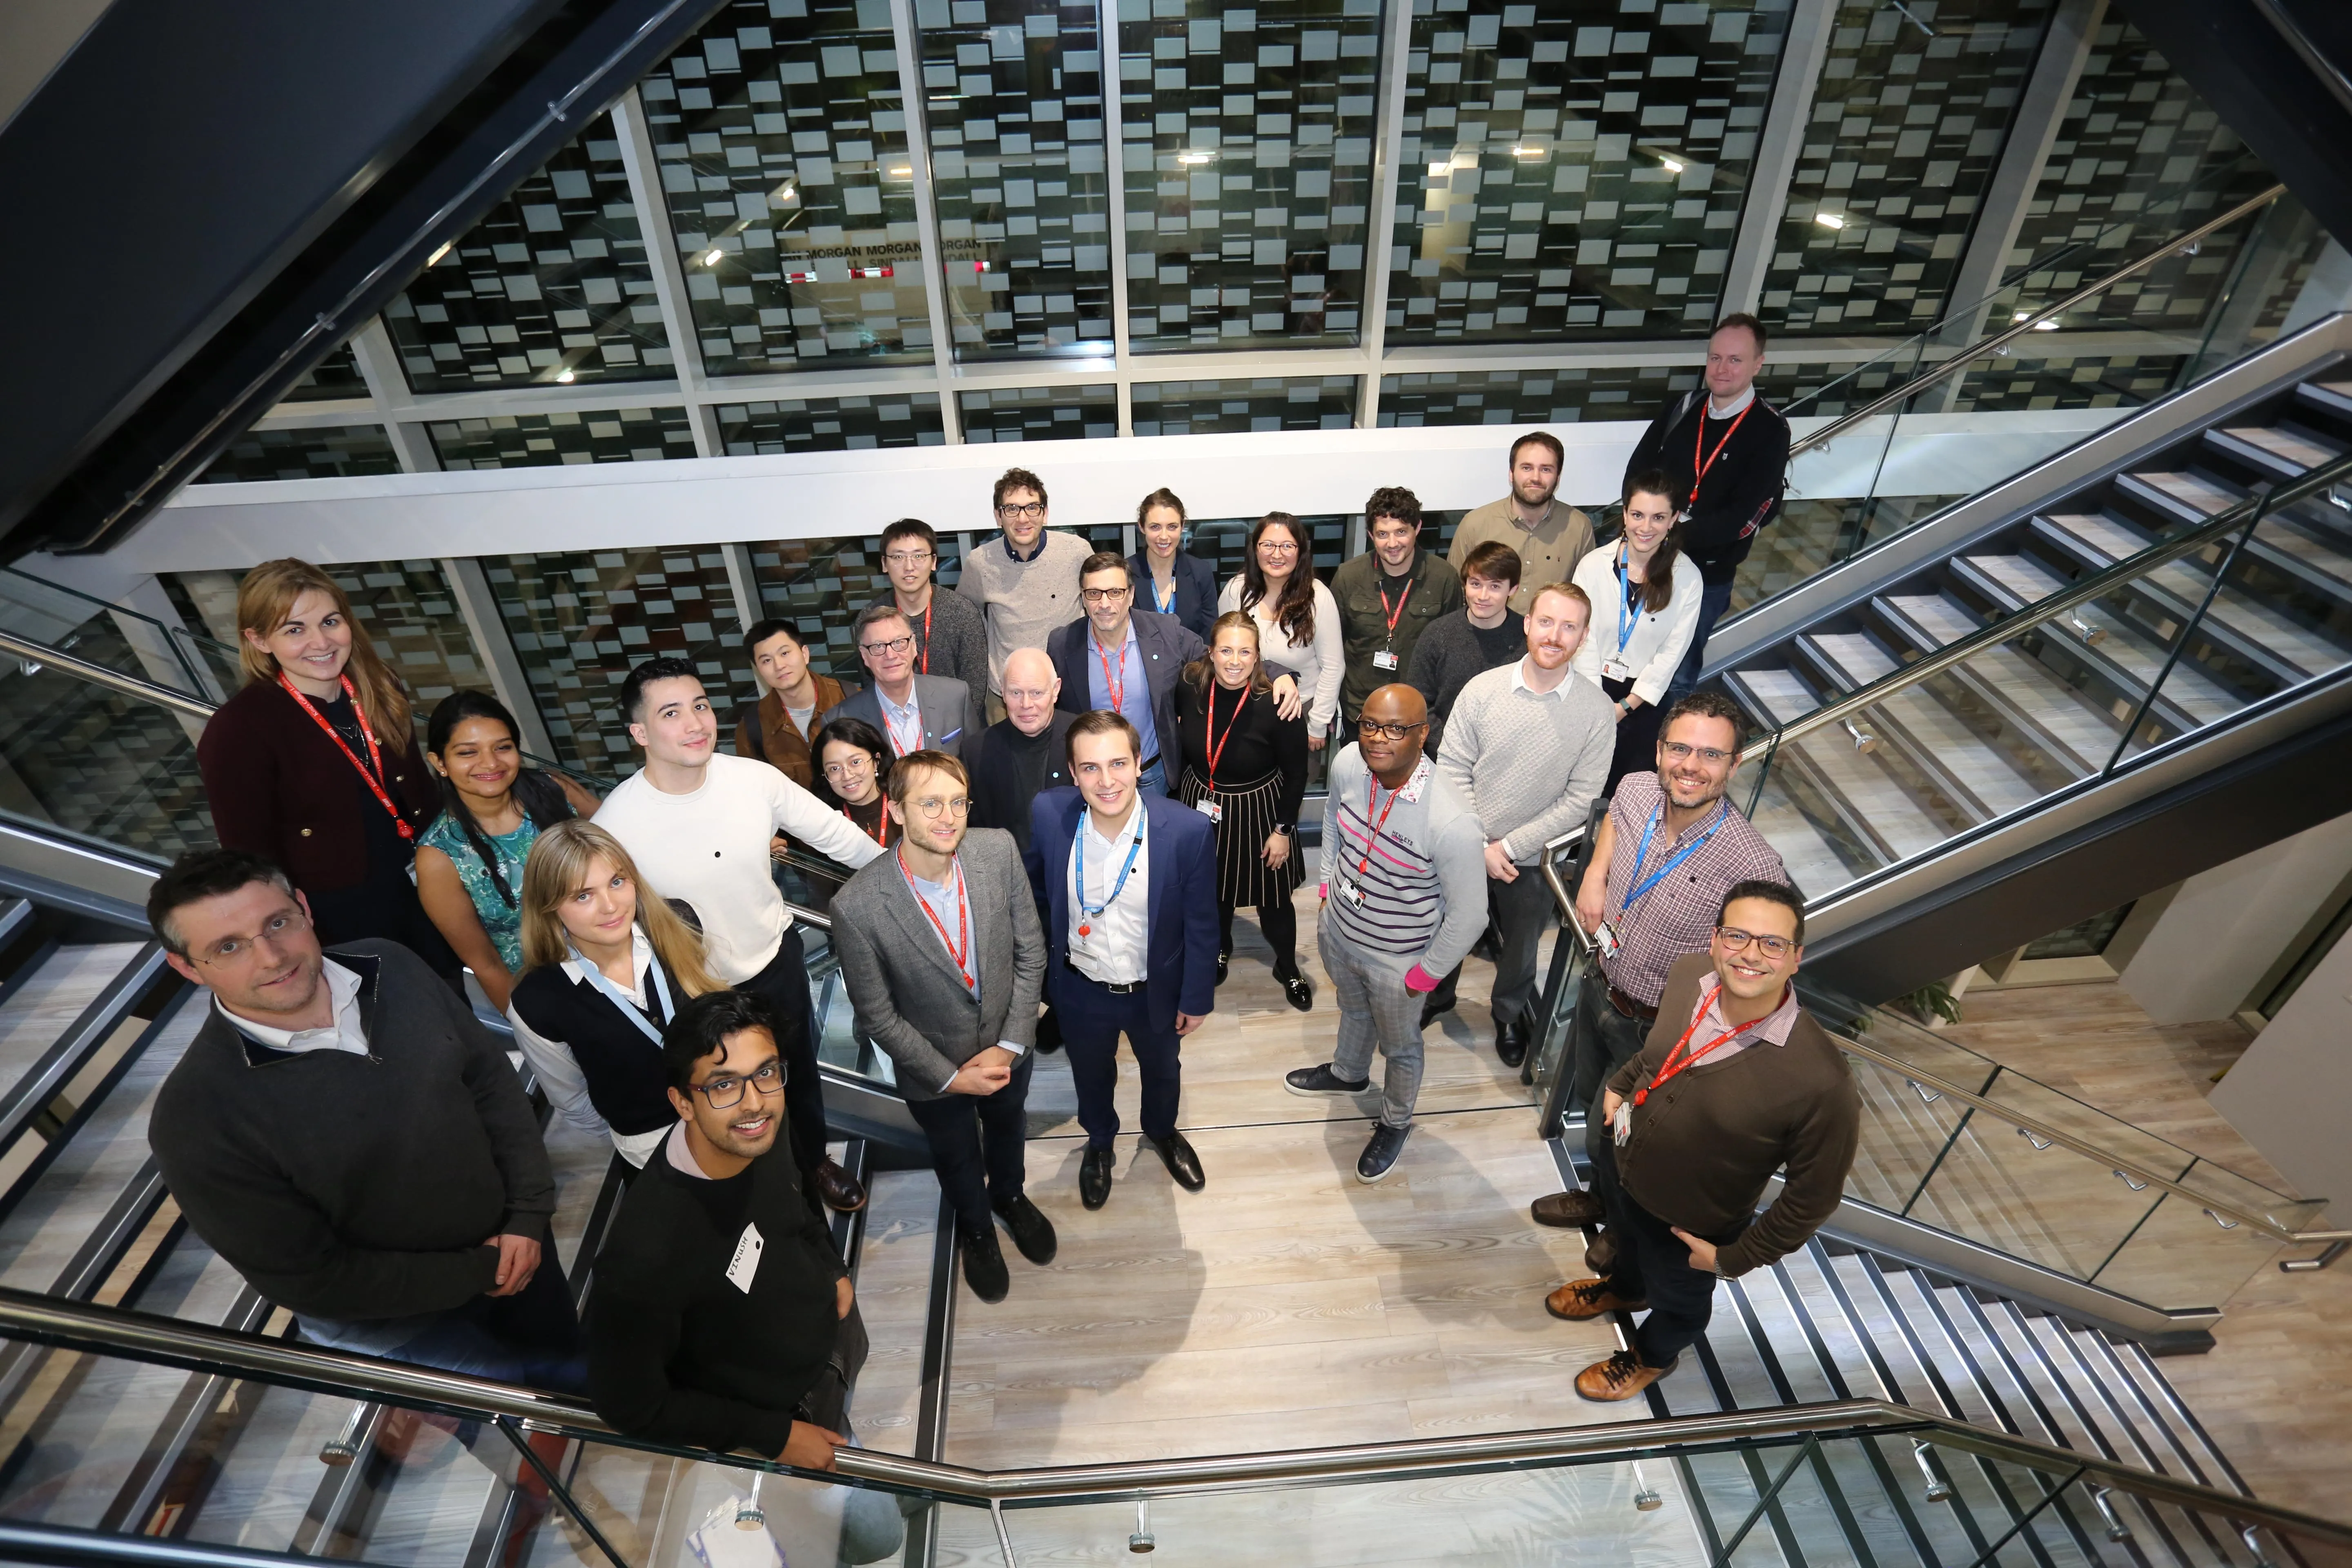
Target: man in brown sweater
x: 1735, y: 1082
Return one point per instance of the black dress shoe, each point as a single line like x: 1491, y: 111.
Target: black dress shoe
x: 838, y: 1188
x: 1511, y: 1044
x: 1033, y: 1232
x: 1181, y: 1163
x: 1433, y: 1010
x: 1094, y: 1178
x: 1300, y: 993
x: 983, y: 1265
x: 1224, y: 963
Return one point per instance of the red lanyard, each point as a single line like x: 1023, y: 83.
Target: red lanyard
x: 1382, y: 588
x: 1676, y: 1061
x: 1115, y: 689
x: 883, y: 838
x: 374, y: 780
x: 899, y: 747
x: 1698, y: 438
x: 1373, y: 783
x: 1215, y: 747
x: 960, y: 946
x: 926, y: 666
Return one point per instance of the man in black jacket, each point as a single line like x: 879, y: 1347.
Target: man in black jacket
x: 1731, y: 449
x: 1119, y: 659
x: 351, y: 1138
x: 722, y: 1318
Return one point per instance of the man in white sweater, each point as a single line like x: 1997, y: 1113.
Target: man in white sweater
x: 699, y: 823
x: 1527, y: 745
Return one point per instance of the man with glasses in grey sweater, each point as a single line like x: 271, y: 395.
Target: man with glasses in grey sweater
x: 1527, y: 746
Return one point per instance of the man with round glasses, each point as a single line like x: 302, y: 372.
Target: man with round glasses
x: 1735, y: 1082
x: 915, y: 712
x: 943, y: 957
x: 1026, y: 580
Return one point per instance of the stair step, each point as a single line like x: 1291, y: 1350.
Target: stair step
x: 2187, y: 498
x: 2281, y: 453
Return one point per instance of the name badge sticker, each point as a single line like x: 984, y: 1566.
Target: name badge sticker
x: 1207, y: 807
x: 1604, y: 937
x: 747, y: 1248
x: 1384, y: 659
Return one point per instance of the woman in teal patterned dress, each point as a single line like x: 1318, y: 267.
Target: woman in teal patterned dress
x: 469, y: 858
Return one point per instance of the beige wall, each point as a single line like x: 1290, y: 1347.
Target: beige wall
x: 2291, y: 1090
x: 2225, y: 929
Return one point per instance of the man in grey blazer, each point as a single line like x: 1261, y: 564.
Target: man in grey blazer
x: 914, y: 712
x: 943, y: 955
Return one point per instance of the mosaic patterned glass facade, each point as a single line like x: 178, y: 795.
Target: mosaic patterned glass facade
x: 335, y: 452
x: 97, y: 762
x: 580, y: 621
x: 2139, y: 156
x: 819, y: 585
x: 1039, y: 413
x: 1575, y: 168
x: 552, y: 287
x: 1224, y: 542
x: 1907, y: 125
x: 1268, y: 402
x: 1530, y: 397
x: 2124, y: 381
x: 1247, y: 144
x: 780, y: 131
x: 1013, y: 100
x: 337, y: 376
x: 830, y: 423
x: 406, y: 606
x: 529, y: 440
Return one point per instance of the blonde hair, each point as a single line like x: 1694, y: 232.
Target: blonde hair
x: 267, y: 598
x: 558, y: 864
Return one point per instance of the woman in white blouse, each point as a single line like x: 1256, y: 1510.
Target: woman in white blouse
x: 1644, y: 594
x: 1298, y: 619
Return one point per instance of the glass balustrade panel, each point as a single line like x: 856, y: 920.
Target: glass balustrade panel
x: 98, y: 763
x: 2001, y: 1187
x: 2188, y: 1255
x: 1907, y: 1131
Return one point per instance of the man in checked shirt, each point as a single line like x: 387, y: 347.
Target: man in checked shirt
x: 1669, y: 849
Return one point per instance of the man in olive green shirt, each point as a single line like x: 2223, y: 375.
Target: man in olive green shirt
x: 1388, y: 597
x: 1549, y: 536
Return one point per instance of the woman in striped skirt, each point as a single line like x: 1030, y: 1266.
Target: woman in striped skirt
x: 1245, y: 769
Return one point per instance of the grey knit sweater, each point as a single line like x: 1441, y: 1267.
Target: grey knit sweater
x: 1528, y: 765
x: 958, y: 646
x: 1452, y: 651
x: 1024, y: 600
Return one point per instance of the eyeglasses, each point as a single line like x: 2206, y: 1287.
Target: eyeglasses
x: 1103, y: 595
x: 1775, y: 948
x: 723, y: 1092
x: 908, y: 557
x: 1387, y: 731
x: 1675, y: 752
x: 860, y: 764
x: 231, y: 950
x: 896, y: 644
x: 931, y: 805
x: 1035, y: 508
x: 1278, y: 547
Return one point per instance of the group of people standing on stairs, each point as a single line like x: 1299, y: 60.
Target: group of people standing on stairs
x: 1057, y: 785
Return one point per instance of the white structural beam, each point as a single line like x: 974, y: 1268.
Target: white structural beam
x: 916, y: 102
x: 387, y: 385
x: 1802, y: 52
x: 1379, y: 230
x: 643, y: 166
x: 1114, y: 196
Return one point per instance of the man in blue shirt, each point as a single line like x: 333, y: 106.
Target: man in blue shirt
x: 1119, y: 659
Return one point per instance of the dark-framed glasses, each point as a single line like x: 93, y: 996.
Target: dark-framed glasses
x: 1031, y: 509
x: 896, y: 644
x: 726, y: 1092
x: 1103, y: 595
x: 1775, y: 948
x: 1387, y: 731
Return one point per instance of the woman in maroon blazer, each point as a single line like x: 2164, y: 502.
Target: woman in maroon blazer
x: 315, y: 762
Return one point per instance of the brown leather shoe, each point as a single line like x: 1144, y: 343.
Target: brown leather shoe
x: 1580, y: 1299
x: 1568, y: 1211
x: 1621, y: 1376
x: 838, y: 1188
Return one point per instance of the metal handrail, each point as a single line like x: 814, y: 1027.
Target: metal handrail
x: 65, y: 663
x: 193, y: 1347
x: 1985, y: 347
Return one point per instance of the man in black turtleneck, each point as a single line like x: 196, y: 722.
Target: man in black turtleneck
x: 1731, y: 449
x: 1023, y: 753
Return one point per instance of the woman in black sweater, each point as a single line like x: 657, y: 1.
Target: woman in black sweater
x: 1245, y: 768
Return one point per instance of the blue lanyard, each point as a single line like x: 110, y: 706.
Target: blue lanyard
x: 1167, y: 606
x: 1117, y: 888
x: 1677, y: 859
x: 620, y: 998
x: 1624, y: 601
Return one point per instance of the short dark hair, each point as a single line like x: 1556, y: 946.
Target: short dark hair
x: 1540, y: 438
x: 1105, y: 561
x: 1393, y: 501
x: 938, y: 762
x: 909, y: 527
x: 1016, y: 480
x: 849, y: 731
x: 1100, y: 721
x: 1495, y: 561
x: 702, y: 1028
x: 1657, y: 482
x: 201, y: 874
x: 1709, y: 705
x: 879, y: 610
x: 1779, y: 893
x: 1740, y: 318
x: 663, y: 666
x: 771, y: 627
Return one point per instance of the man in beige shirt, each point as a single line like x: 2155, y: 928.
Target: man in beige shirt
x: 1549, y: 536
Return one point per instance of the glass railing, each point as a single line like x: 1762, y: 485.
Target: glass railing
x: 1887, y: 461
x: 131, y: 1426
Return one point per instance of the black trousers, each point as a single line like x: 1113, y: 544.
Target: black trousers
x: 783, y: 984
x: 1652, y: 1264
x: 1605, y: 1040
x: 1280, y: 925
x: 1516, y: 913
x: 1093, y: 1018
x: 978, y: 1145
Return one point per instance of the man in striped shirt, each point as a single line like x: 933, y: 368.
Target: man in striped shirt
x: 1403, y: 875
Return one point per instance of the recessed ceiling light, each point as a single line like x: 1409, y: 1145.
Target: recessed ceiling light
x: 1527, y: 150
x: 1829, y: 220
x: 564, y: 375
x: 2022, y: 315
x: 1195, y: 158
x: 713, y: 257
x: 1437, y: 171
x: 434, y: 259
x: 2046, y: 326
x: 1673, y: 166
x: 902, y: 171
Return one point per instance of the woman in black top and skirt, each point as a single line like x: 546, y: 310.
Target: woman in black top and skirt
x: 1245, y: 768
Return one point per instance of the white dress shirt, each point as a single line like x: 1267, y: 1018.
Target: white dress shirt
x: 900, y: 721
x: 941, y: 898
x: 558, y: 1069
x: 1117, y: 947
x: 345, y: 1034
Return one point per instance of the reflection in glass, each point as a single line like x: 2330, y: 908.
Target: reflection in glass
x: 1247, y: 148
x: 337, y: 376
x: 88, y: 760
x: 552, y: 287
x: 332, y: 452
x: 1530, y: 396
x: 819, y: 585
x: 1039, y: 413
x: 830, y: 423
x: 1267, y: 403
x: 1012, y: 96
x: 781, y: 135
x: 528, y: 440
x: 2089, y: 381
x: 1574, y: 167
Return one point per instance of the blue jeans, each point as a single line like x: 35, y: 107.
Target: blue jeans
x: 1713, y: 601
x: 531, y: 1337
x: 1154, y: 780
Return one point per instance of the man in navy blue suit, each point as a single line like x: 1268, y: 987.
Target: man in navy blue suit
x: 1129, y: 892
x: 1125, y: 660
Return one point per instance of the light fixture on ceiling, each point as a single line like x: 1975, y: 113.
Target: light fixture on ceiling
x: 2046, y: 326
x: 2022, y: 316
x: 1829, y: 220
x: 1193, y: 159
x: 1528, y: 150
x: 434, y: 259
x: 902, y: 171
x: 1437, y: 171
x: 1671, y: 165
x: 564, y: 375
x: 713, y: 257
